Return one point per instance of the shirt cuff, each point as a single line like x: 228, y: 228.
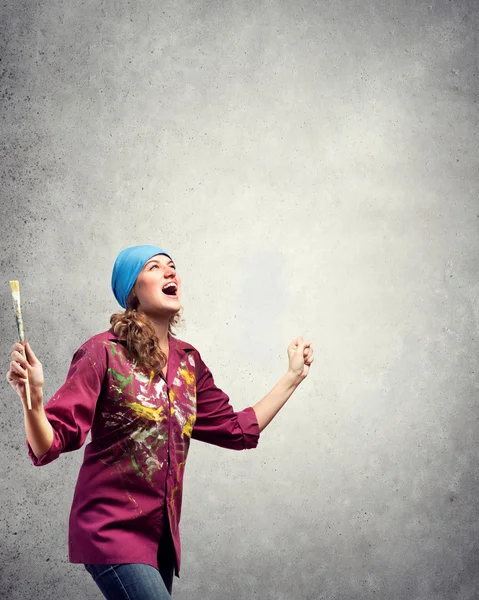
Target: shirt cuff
x: 249, y: 425
x: 49, y: 456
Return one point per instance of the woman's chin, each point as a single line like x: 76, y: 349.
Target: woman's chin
x: 165, y: 310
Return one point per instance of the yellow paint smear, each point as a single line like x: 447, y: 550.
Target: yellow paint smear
x: 152, y: 414
x: 187, y: 375
x: 188, y: 428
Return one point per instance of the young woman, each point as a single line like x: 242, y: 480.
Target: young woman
x: 143, y: 394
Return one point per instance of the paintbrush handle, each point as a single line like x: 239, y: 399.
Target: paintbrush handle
x: 27, y: 383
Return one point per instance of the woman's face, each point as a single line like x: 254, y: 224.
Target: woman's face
x: 154, y: 299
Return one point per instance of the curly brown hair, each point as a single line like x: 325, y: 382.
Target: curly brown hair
x: 142, y: 343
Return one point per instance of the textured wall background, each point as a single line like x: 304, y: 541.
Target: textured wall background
x: 313, y: 169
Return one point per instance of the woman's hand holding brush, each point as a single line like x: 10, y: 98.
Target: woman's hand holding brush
x: 22, y: 368
x: 38, y: 429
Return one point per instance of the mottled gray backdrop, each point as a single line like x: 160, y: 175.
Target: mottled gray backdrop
x: 313, y: 169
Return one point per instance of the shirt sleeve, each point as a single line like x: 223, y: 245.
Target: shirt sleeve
x: 216, y: 421
x: 71, y: 409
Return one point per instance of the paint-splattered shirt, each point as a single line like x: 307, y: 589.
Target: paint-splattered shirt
x: 132, y: 472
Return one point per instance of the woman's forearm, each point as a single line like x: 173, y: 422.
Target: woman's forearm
x: 38, y: 430
x: 269, y: 406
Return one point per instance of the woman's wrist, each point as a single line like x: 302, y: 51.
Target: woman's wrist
x: 36, y: 397
x: 293, y: 378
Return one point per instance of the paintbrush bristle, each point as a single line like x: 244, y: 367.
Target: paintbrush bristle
x: 14, y: 286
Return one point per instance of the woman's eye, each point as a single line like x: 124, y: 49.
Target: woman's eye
x: 155, y: 265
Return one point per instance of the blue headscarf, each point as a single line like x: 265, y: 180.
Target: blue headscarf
x: 127, y: 267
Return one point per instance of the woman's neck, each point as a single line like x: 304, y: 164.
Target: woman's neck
x: 161, y: 328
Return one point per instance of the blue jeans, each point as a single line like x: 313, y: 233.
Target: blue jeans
x: 133, y: 581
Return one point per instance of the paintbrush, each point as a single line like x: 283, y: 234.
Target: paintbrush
x: 15, y: 287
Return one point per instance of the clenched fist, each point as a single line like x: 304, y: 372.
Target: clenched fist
x: 301, y: 355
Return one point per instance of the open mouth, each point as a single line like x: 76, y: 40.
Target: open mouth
x: 170, y: 289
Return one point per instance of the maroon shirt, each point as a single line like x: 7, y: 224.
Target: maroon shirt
x: 132, y: 473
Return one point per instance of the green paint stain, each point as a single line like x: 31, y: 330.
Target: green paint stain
x: 135, y: 466
x: 113, y: 349
x: 122, y: 381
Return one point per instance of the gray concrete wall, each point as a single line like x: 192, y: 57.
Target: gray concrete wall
x: 312, y: 167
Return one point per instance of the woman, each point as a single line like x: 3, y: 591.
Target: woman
x: 142, y: 393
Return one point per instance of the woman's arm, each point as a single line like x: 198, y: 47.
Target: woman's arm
x: 300, y: 356
x: 216, y: 421
x: 63, y: 424
x: 37, y: 427
x: 273, y: 402
x: 38, y: 430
